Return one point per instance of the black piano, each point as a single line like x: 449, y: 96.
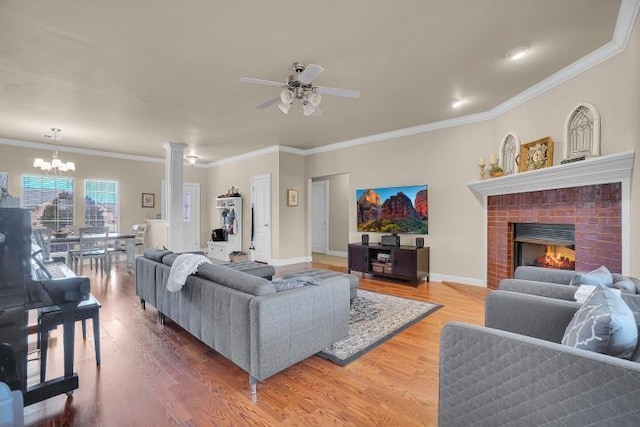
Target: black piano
x: 29, y: 280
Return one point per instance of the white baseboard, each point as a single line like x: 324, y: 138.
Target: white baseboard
x: 289, y: 261
x: 338, y: 253
x: 435, y: 277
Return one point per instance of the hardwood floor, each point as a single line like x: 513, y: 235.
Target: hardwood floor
x: 161, y: 375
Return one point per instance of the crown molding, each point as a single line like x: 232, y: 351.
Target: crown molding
x: 77, y: 150
x: 596, y: 170
x: 292, y: 150
x: 256, y: 153
x: 261, y: 152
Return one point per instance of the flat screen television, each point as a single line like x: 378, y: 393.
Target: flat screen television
x: 393, y: 209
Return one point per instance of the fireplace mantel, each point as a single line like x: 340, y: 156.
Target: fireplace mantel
x: 596, y: 170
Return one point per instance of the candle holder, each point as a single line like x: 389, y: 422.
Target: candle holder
x: 482, y: 171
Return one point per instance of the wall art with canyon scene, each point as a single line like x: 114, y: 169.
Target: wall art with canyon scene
x: 393, y: 209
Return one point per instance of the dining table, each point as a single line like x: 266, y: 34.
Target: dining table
x: 72, y: 239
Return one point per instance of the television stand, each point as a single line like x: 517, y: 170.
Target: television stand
x: 406, y: 262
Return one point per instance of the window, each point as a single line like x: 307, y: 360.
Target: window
x: 101, y: 206
x: 50, y: 200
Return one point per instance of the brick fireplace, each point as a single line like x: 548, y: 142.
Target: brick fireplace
x: 595, y: 210
x: 593, y: 195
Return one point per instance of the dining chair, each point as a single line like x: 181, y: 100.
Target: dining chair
x: 140, y: 231
x: 119, y: 246
x: 93, y: 244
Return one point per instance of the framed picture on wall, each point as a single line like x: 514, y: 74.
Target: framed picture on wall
x: 148, y: 200
x: 292, y: 197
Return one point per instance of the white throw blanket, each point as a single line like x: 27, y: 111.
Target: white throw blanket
x: 182, y: 267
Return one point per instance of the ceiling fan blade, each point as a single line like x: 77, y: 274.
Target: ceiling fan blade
x: 269, y: 102
x: 345, y: 93
x: 310, y: 72
x: 261, y: 82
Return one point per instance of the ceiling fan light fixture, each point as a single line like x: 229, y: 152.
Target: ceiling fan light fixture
x: 314, y: 99
x: 300, y: 86
x: 286, y: 96
x: 308, y: 109
x: 284, y: 108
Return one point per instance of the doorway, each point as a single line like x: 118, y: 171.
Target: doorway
x: 191, y: 212
x: 191, y: 226
x: 261, y: 218
x: 334, y: 205
x: 320, y: 217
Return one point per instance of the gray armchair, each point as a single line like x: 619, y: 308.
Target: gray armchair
x: 550, y: 282
x: 514, y: 372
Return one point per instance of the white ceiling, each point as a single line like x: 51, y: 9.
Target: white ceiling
x: 129, y: 76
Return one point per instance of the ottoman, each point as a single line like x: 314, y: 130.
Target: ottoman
x: 320, y: 274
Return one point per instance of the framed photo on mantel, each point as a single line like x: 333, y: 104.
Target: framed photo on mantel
x: 148, y: 200
x: 536, y: 155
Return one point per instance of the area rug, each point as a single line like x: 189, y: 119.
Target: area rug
x: 374, y: 318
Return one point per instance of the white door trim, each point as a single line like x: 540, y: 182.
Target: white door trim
x: 268, y: 236
x: 322, y: 185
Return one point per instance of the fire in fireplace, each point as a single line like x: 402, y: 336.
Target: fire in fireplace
x: 557, y: 257
x: 544, y: 245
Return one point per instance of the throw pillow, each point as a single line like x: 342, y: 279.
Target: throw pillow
x: 604, y: 324
x: 600, y: 275
x: 625, y: 285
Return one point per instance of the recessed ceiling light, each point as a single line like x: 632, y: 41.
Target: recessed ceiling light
x: 518, y: 53
x: 457, y: 103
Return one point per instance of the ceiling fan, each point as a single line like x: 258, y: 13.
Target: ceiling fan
x: 300, y: 86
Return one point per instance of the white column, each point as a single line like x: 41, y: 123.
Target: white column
x: 174, y: 204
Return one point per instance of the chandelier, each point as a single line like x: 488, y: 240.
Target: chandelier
x: 56, y: 165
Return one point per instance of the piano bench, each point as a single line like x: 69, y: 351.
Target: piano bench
x: 50, y: 317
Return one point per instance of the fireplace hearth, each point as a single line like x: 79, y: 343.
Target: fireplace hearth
x: 544, y: 245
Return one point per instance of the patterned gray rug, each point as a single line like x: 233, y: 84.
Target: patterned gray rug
x: 375, y: 318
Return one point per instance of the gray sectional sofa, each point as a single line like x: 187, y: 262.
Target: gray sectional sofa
x: 515, y: 372
x: 244, y: 318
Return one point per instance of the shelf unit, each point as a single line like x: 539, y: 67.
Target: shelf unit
x: 407, y: 262
x: 225, y: 206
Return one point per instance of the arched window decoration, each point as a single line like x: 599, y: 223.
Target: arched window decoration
x: 509, y: 150
x: 582, y: 132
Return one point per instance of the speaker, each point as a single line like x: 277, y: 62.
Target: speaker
x: 365, y: 239
x: 419, y: 242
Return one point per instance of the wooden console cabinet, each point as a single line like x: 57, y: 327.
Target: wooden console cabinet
x: 407, y: 262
